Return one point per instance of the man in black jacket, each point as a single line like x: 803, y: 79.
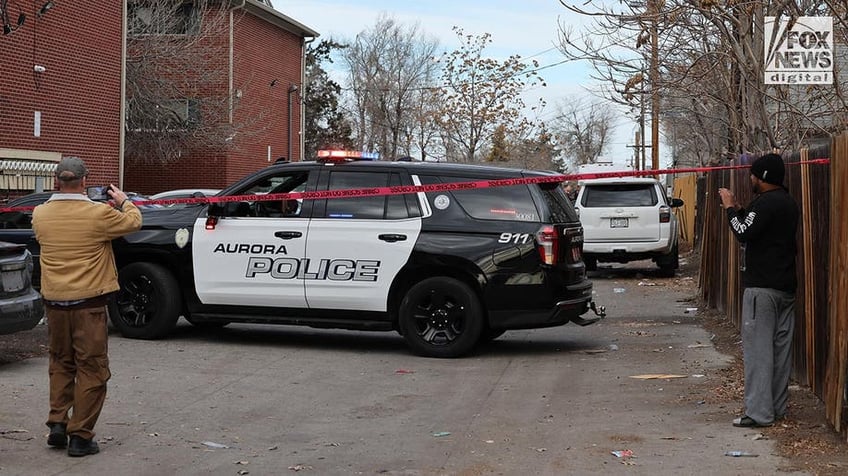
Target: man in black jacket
x: 767, y: 233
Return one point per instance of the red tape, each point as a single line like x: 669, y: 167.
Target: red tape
x: 404, y: 189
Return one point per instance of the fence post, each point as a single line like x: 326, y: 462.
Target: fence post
x: 837, y: 355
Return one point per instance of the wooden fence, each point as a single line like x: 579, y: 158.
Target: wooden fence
x: 686, y: 188
x: 820, y: 347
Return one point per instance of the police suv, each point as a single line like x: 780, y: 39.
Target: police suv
x: 445, y: 268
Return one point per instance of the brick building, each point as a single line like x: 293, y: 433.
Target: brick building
x: 62, y: 93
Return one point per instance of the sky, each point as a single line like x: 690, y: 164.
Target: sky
x: 529, y: 28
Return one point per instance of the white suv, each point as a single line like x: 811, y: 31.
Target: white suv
x: 628, y: 219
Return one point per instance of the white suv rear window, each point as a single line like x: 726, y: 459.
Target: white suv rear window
x: 619, y: 195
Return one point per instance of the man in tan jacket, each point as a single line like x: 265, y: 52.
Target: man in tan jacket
x: 78, y: 275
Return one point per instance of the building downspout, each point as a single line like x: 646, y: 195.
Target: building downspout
x: 292, y: 90
x: 230, y: 73
x: 122, y: 134
x: 302, y: 147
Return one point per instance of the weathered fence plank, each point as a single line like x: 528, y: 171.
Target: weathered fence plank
x: 837, y: 364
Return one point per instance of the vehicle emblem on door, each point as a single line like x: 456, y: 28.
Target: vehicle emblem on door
x: 441, y: 202
x: 181, y: 237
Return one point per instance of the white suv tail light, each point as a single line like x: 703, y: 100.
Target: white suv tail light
x: 665, y: 214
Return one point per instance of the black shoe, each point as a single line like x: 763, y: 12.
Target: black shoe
x: 58, y: 438
x: 747, y: 422
x: 80, y: 446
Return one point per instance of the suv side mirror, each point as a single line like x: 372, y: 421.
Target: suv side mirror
x: 676, y: 202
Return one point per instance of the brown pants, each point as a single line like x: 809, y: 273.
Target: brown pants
x: 79, y: 366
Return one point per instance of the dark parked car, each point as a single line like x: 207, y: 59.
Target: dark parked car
x: 16, y: 226
x: 20, y: 305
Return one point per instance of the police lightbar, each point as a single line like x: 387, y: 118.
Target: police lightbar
x: 346, y: 155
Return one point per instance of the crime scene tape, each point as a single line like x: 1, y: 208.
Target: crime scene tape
x: 404, y: 189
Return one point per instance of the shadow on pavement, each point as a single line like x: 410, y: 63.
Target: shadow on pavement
x: 512, y: 343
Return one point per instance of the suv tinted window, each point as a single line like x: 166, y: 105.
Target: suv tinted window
x: 283, y: 182
x: 512, y: 203
x: 558, y: 203
x: 619, y: 195
x: 381, y: 207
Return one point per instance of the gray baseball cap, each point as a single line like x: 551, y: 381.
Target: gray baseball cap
x: 71, y: 168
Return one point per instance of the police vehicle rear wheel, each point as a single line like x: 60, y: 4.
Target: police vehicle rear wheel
x: 441, y: 317
x: 148, y: 304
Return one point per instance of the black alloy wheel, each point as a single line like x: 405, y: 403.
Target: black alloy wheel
x: 441, y: 317
x: 148, y: 304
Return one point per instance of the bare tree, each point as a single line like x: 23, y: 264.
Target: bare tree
x: 709, y: 71
x: 176, y: 84
x: 421, y: 136
x: 479, y: 94
x: 388, y: 65
x: 535, y: 152
x: 582, y: 130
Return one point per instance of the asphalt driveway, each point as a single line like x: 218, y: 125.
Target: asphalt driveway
x: 278, y: 400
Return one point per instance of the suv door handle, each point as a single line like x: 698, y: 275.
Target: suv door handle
x: 392, y: 237
x: 288, y: 235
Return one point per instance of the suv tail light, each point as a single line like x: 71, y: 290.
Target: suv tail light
x: 547, y: 242
x: 665, y: 214
x: 574, y: 242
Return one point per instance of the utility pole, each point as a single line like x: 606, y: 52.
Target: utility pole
x: 636, y: 149
x: 639, y: 148
x: 655, y: 80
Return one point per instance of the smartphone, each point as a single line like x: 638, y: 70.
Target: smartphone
x: 98, y: 193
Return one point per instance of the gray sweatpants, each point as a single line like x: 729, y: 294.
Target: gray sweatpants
x: 768, y: 320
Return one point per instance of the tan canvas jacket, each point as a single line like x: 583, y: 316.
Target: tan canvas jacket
x: 76, y: 235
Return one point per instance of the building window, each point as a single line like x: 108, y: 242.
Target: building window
x: 26, y: 175
x: 162, y: 18
x: 163, y: 115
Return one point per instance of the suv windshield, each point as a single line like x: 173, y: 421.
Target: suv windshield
x: 619, y: 195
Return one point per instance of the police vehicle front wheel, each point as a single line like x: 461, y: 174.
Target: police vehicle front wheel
x: 148, y: 304
x: 441, y: 317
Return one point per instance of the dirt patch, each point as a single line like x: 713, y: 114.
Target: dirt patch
x: 23, y: 345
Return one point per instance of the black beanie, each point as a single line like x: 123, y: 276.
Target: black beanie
x: 769, y: 168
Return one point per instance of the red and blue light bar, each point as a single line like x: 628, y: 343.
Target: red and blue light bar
x: 346, y: 155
